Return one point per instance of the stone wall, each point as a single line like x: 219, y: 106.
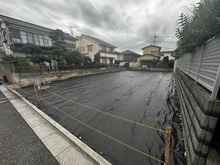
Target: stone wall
x: 199, y: 117
x: 27, y: 79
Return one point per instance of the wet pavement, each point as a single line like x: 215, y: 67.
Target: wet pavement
x: 144, y: 97
x: 18, y: 143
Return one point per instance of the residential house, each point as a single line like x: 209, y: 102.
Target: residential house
x: 150, y: 55
x: 120, y: 57
x: 169, y: 54
x: 91, y: 46
x: 130, y: 56
x: 16, y: 33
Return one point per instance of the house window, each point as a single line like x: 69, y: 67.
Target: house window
x: 36, y: 39
x: 102, y: 48
x: 89, y: 47
x: 23, y: 37
x: 41, y: 40
x: 30, y: 38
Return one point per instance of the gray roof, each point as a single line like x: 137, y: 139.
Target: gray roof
x: 128, y: 52
x: 10, y: 20
x: 100, y: 41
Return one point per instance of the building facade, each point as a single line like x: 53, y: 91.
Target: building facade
x: 91, y: 46
x: 150, y: 56
x: 169, y: 54
x: 129, y: 56
x: 16, y: 33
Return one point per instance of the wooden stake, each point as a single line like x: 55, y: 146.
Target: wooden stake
x: 13, y: 82
x: 167, y: 148
x: 35, y: 91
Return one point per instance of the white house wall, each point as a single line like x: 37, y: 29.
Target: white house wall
x: 169, y: 55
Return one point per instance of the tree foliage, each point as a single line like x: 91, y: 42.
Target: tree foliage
x: 22, y: 66
x: 87, y: 60
x: 97, y: 58
x: 31, y: 49
x: 40, y: 59
x: 74, y: 57
x: 58, y: 38
x: 195, y: 30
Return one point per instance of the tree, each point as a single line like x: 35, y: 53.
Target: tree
x: 40, y: 59
x: 87, y: 60
x: 31, y: 49
x: 21, y: 65
x: 195, y: 30
x: 58, y: 38
x: 97, y: 58
x: 74, y: 57
x: 57, y: 52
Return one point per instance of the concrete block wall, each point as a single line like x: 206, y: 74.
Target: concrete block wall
x: 25, y: 80
x: 199, y: 117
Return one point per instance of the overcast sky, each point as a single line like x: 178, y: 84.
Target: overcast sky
x: 127, y: 24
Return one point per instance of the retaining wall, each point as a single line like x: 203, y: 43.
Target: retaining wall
x: 25, y: 79
x: 199, y: 117
x: 152, y: 69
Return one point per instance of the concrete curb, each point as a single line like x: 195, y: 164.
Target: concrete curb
x: 87, y: 150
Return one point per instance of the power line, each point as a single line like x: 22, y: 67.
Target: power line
x: 50, y: 13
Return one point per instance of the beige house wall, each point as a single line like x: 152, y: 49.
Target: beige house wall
x: 82, y: 45
x: 149, y: 49
x: 145, y: 58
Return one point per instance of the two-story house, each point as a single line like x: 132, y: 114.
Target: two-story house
x: 150, y: 54
x: 91, y: 46
x: 129, y: 56
x: 16, y: 33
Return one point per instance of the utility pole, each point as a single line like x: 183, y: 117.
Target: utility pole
x: 155, y: 36
x: 71, y: 29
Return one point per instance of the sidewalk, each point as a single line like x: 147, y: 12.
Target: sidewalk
x: 28, y: 136
x: 18, y: 142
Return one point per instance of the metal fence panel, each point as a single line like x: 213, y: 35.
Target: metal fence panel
x: 203, y: 65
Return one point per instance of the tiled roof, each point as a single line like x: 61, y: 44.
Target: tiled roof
x: 151, y: 45
x: 129, y: 52
x: 14, y: 21
x: 100, y: 41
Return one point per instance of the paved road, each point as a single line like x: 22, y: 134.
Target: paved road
x: 19, y: 145
x: 135, y: 95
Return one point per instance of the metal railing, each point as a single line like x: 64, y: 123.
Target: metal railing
x: 203, y: 65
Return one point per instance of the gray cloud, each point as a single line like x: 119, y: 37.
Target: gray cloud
x: 127, y: 24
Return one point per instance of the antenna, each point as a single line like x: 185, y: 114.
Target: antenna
x: 71, y: 29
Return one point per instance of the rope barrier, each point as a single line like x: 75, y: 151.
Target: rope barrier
x: 109, y: 114
x: 108, y: 136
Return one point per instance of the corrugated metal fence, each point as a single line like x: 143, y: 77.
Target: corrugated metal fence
x: 203, y: 65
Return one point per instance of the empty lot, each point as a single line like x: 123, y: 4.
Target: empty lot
x: 104, y: 101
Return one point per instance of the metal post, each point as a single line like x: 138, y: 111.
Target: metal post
x: 35, y: 91
x: 200, y: 61
x: 216, y: 85
x: 167, y: 147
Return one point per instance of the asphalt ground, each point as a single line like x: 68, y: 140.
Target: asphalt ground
x: 122, y: 97
x: 19, y: 145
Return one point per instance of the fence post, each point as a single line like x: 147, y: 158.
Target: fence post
x: 35, y: 91
x: 200, y: 60
x: 167, y: 147
x: 216, y: 85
